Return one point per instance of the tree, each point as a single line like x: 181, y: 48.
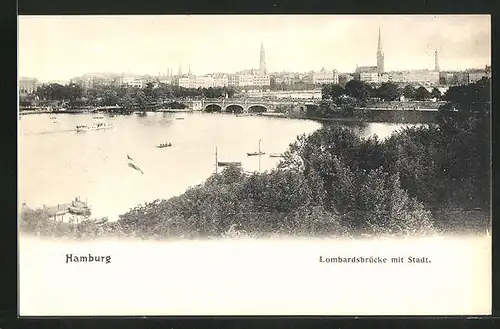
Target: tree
x: 127, y: 102
x: 409, y: 92
x: 332, y: 91
x: 472, y: 97
x: 416, y: 154
x: 149, y: 90
x: 388, y: 91
x: 230, y: 91
x: 110, y: 98
x: 142, y: 99
x: 53, y: 92
x: 435, y: 93
x: 73, y: 92
x: 357, y: 89
x: 422, y: 94
x: 386, y: 209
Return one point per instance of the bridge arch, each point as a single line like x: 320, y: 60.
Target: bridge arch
x: 234, y: 108
x: 212, y: 108
x: 257, y: 108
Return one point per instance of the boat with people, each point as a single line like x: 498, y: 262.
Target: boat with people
x: 98, y: 126
x: 179, y: 118
x: 164, y: 145
x: 98, y: 117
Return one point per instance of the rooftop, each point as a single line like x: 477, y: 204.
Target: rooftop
x: 366, y: 69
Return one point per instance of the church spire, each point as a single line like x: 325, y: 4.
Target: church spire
x: 379, y: 49
x: 262, y: 66
x: 380, y: 54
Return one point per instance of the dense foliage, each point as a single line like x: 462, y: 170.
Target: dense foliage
x: 387, y: 91
x: 332, y: 182
x: 355, y: 100
x: 73, y: 95
x: 39, y: 222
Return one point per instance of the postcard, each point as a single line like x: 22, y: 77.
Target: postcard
x: 254, y: 165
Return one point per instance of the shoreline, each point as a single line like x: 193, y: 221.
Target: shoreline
x: 389, y: 119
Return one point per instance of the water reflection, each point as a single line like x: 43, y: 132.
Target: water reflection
x: 370, y: 129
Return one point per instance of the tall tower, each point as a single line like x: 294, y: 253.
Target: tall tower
x: 262, y: 66
x: 436, y: 61
x: 380, y: 54
x: 180, y: 70
x: 189, y: 72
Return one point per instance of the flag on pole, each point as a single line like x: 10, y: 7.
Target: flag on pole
x: 132, y: 164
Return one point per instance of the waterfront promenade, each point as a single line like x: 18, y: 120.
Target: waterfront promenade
x: 239, y: 104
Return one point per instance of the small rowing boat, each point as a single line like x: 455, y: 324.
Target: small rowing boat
x: 276, y: 155
x: 228, y: 163
x: 259, y: 152
x: 255, y: 153
x: 164, y: 145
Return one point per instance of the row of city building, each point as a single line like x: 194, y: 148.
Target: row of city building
x: 248, y: 79
x: 422, y: 77
x: 259, y: 78
x: 436, y: 77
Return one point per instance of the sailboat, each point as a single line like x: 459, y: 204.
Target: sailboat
x: 256, y: 153
x: 224, y: 163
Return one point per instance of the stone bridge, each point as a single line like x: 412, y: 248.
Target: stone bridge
x: 240, y: 105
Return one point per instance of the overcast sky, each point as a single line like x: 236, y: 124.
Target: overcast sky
x: 61, y: 47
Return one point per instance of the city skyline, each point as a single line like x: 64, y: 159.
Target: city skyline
x: 62, y: 47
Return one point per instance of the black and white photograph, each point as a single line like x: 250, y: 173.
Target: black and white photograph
x: 254, y: 165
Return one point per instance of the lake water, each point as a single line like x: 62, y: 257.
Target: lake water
x: 55, y: 163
